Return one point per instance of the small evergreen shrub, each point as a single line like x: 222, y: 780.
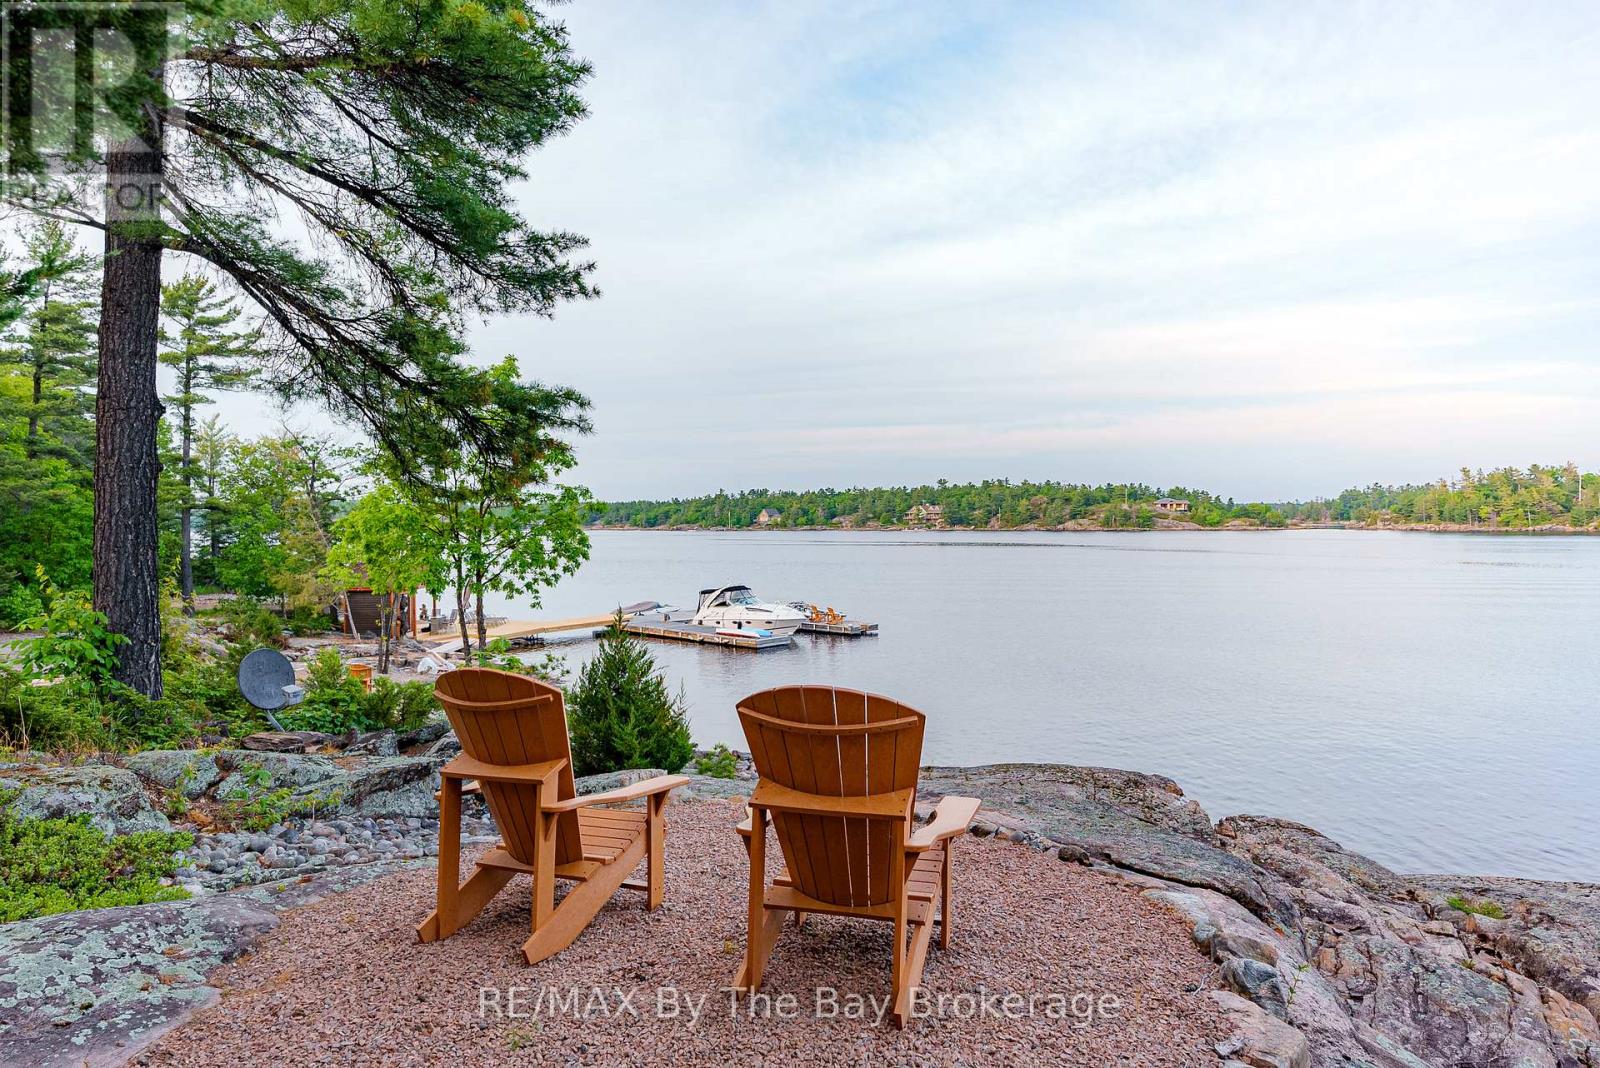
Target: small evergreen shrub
x: 621, y: 714
x: 402, y: 706
x: 720, y: 763
x: 60, y: 865
x: 334, y: 703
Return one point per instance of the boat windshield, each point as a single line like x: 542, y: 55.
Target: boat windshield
x: 742, y: 597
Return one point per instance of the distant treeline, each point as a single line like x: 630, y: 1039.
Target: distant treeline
x: 1506, y: 498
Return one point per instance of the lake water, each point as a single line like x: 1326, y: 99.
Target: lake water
x: 1428, y: 700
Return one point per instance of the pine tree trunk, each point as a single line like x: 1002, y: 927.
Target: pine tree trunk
x: 127, y: 411
x: 186, y: 554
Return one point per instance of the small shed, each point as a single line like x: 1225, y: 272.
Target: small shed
x: 767, y: 516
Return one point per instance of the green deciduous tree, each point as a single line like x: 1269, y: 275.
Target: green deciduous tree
x: 504, y: 527
x: 384, y: 543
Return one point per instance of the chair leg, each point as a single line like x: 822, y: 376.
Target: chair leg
x: 944, y: 897
x: 756, y: 916
x: 656, y: 862
x: 897, y: 969
x: 544, y: 872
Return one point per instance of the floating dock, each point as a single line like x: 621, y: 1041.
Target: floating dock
x: 673, y: 630
x: 849, y: 628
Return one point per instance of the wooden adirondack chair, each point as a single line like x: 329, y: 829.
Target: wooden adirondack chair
x: 838, y: 779
x: 513, y: 733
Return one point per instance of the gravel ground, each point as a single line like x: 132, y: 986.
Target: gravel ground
x: 1115, y: 980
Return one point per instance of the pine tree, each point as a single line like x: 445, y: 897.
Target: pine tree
x: 207, y: 353
x: 53, y: 343
x: 621, y: 714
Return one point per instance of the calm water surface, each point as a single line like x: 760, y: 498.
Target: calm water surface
x: 1428, y: 700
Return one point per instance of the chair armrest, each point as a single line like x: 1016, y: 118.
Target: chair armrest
x: 464, y: 767
x: 950, y: 818
x: 747, y: 826
x: 658, y: 785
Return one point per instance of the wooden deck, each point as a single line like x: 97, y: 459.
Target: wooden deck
x: 515, y: 629
x: 850, y: 628
x: 673, y: 630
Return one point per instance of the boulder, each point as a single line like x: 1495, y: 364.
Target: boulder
x: 113, y: 798
x: 286, y: 741
x: 272, y: 770
x: 447, y: 745
x: 379, y: 786
x: 427, y: 734
x: 374, y: 743
x: 1259, y: 1039
x: 192, y: 773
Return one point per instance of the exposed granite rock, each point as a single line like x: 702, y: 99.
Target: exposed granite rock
x: 194, y: 773
x: 1367, y: 967
x: 1258, y: 1039
x: 380, y: 786
x: 1336, y: 960
x: 374, y: 743
x: 1139, y: 822
x: 446, y: 746
x: 93, y: 987
x: 427, y: 734
x: 113, y: 798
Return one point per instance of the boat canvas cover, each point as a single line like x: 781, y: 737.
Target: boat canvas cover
x: 714, y: 597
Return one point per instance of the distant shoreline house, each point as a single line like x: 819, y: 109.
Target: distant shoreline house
x: 1174, y: 505
x: 926, y: 515
x: 767, y: 516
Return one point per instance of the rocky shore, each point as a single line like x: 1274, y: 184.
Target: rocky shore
x: 1322, y: 957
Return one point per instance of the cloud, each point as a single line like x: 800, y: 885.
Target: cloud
x: 1271, y: 249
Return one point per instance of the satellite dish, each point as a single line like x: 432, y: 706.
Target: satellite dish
x: 266, y: 678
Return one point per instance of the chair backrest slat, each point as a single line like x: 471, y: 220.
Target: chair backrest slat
x: 508, y: 719
x: 835, y: 743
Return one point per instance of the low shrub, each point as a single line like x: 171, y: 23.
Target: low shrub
x: 336, y: 703
x: 257, y: 805
x: 1485, y: 907
x: 59, y: 865
x: 621, y: 714
x: 250, y: 624
x: 402, y: 706
x: 720, y: 763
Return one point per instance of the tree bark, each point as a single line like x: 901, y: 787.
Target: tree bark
x: 185, y: 553
x: 127, y: 411
x: 483, y: 626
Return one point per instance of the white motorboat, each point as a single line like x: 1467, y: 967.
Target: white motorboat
x: 737, y: 608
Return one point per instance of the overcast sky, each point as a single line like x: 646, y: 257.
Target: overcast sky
x: 1271, y: 250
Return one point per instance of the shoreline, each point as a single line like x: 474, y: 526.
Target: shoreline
x: 1162, y: 527
x: 1320, y: 955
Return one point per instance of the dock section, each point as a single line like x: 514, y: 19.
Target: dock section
x: 848, y: 628
x: 673, y: 630
x: 515, y: 629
